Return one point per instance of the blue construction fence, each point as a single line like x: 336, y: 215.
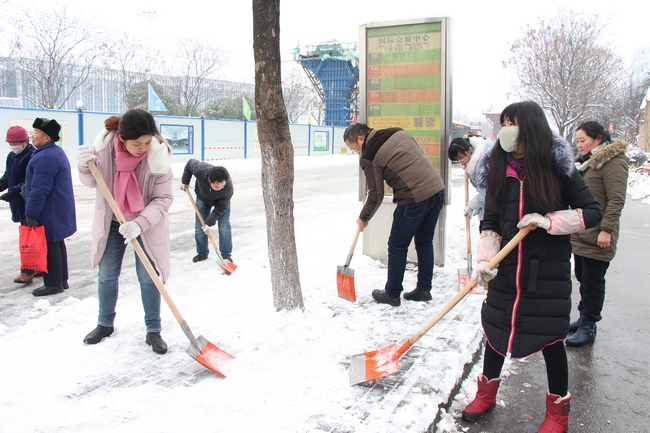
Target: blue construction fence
x: 190, y: 137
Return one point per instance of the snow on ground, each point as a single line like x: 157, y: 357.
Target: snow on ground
x: 291, y: 368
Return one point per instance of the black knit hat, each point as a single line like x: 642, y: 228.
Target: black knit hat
x: 49, y: 126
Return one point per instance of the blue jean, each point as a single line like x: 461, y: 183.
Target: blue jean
x: 223, y: 224
x: 415, y: 222
x: 110, y: 267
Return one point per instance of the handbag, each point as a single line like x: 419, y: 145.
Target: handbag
x: 33, y: 248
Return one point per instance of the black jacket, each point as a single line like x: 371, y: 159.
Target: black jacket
x: 219, y: 199
x: 540, y: 298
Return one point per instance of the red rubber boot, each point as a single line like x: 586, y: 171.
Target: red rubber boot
x: 557, y: 414
x: 485, y: 400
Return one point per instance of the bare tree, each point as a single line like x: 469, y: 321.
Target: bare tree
x: 55, y: 56
x: 298, y: 94
x: 561, y: 65
x: 134, y: 63
x: 199, y: 62
x: 624, y: 109
x: 277, y: 156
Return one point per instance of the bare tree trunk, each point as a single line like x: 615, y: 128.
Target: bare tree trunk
x: 277, y: 156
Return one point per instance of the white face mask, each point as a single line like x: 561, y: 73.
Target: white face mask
x: 507, y: 137
x: 17, y: 149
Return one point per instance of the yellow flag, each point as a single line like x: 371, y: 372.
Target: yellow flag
x: 309, y: 117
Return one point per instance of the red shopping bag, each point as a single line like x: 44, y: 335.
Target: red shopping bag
x: 33, y: 248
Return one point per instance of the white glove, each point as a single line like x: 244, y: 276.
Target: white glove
x: 85, y: 153
x: 468, y: 211
x: 482, y: 274
x: 184, y: 187
x: 540, y: 221
x: 130, y: 230
x: 205, y: 228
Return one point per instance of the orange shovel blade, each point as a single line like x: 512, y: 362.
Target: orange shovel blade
x: 210, y: 356
x: 345, y: 286
x: 372, y: 365
x: 228, y: 267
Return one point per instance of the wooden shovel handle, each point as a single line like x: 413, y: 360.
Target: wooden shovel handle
x: 136, y: 245
x: 354, y: 241
x: 469, y: 286
x: 467, y: 218
x: 198, y: 214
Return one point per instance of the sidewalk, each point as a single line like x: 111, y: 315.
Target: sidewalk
x: 291, y: 370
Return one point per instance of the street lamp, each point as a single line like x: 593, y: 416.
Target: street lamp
x: 80, y: 121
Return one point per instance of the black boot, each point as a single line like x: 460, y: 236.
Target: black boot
x: 156, y: 342
x: 586, y: 334
x: 418, y: 295
x: 382, y: 297
x: 47, y: 290
x: 98, y: 334
x: 573, y: 327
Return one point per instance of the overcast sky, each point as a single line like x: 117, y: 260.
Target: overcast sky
x: 481, y: 31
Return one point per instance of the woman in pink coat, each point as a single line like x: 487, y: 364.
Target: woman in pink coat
x: 136, y: 164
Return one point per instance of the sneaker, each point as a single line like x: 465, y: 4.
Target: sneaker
x: 24, y: 278
x: 98, y: 334
x: 199, y: 258
x: 382, y: 297
x: 47, y: 290
x: 418, y: 295
x: 227, y: 257
x: 156, y: 342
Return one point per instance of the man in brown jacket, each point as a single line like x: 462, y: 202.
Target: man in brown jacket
x: 393, y: 156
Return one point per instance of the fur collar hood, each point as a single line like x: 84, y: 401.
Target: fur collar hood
x: 479, y: 148
x: 562, y: 155
x: 602, y: 154
x: 159, y: 157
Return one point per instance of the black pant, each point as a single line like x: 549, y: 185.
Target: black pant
x: 557, y: 368
x: 57, y: 264
x: 590, y: 273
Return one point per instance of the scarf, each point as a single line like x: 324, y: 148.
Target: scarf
x: 518, y: 165
x: 125, y: 185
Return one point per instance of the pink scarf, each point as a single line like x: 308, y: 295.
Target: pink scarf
x: 125, y: 186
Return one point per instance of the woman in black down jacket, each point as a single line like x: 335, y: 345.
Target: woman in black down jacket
x: 530, y: 178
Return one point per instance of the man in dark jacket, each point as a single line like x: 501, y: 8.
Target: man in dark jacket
x: 214, y: 189
x: 393, y: 156
x: 49, y: 201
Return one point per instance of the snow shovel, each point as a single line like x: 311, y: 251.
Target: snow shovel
x: 379, y: 363
x: 228, y: 267
x: 204, y: 352
x: 465, y: 274
x: 345, y: 274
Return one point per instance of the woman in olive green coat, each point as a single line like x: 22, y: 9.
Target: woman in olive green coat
x: 604, y: 167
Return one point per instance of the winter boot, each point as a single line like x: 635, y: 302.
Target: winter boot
x: 557, y: 414
x: 382, y: 297
x: 47, y: 290
x: 156, y: 342
x: 485, y: 400
x: 98, y: 334
x: 573, y: 327
x: 24, y: 278
x: 418, y: 295
x: 199, y: 258
x: 586, y: 334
